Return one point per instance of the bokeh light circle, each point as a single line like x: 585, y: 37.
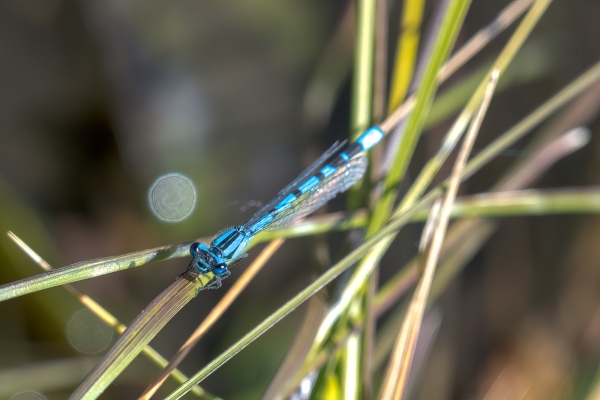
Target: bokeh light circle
x: 87, y: 333
x: 172, y: 197
x: 28, y: 395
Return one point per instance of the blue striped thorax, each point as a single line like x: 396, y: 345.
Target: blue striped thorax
x: 226, y: 247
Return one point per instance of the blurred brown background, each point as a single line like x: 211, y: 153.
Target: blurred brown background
x: 99, y: 98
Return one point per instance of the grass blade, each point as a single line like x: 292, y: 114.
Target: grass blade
x: 406, y: 51
x: 503, y: 142
x: 362, y: 81
x: 466, y: 237
x: 140, y: 332
x: 503, y: 60
x: 504, y: 19
x: 399, y: 366
x: 456, y: 12
x: 453, y: 21
x: 366, y: 266
x: 213, y: 316
x: 107, y: 317
x: 91, y: 269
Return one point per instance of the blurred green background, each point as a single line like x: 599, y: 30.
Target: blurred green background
x: 100, y: 98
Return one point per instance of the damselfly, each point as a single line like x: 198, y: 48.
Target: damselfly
x: 334, y: 172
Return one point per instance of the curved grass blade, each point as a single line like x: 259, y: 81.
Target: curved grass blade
x: 143, y: 329
x: 91, y: 269
x: 107, y: 317
x: 213, y: 316
x: 459, y: 246
x: 296, y: 301
x: 538, y: 158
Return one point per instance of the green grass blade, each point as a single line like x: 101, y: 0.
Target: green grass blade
x: 396, y: 223
x: 406, y: 52
x: 506, y: 56
x: 91, y: 269
x: 143, y: 329
x: 362, y: 80
x: 581, y: 201
x: 216, y: 312
x: 508, y: 138
x: 450, y: 27
x: 360, y: 119
x: 108, y: 318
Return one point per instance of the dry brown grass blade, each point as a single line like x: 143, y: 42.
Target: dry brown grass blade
x: 214, y: 315
x: 104, y: 315
x: 399, y: 366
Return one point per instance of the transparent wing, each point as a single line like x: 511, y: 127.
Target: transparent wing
x: 339, y: 182
x: 292, y: 186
